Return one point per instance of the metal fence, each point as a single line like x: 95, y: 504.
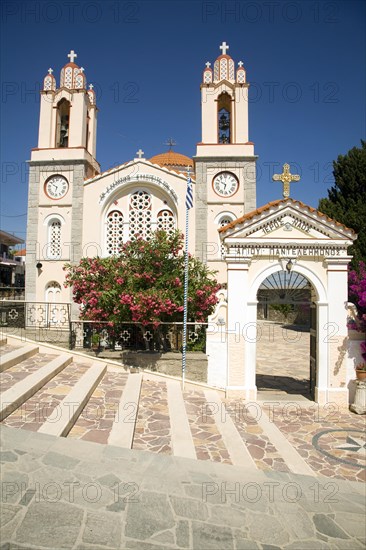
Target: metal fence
x: 135, y: 337
x: 26, y: 315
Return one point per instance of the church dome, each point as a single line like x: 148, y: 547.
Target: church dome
x: 173, y: 161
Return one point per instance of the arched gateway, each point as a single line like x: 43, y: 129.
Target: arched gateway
x: 282, y: 236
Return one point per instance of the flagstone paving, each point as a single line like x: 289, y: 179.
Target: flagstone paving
x: 153, y: 432
x: 20, y: 371
x: 283, y: 358
x: 77, y: 495
x: 331, y: 441
x: 207, y: 439
x: 32, y: 414
x: 96, y: 420
x: 326, y: 441
x: 263, y: 452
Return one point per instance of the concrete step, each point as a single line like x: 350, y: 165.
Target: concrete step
x: 14, y: 397
x: 181, y: 435
x: 72, y: 405
x: 123, y: 428
x: 17, y: 356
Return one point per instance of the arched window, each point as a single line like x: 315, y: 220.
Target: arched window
x: 54, y: 239
x: 223, y: 220
x: 63, y: 121
x: 224, y: 118
x: 53, y: 293
x: 114, y: 232
x: 140, y: 215
x: 166, y: 221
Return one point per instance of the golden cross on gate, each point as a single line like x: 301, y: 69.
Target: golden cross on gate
x: 286, y: 178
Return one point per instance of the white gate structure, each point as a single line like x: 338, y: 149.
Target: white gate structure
x: 284, y: 235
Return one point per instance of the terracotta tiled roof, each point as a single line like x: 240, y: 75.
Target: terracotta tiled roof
x: 171, y: 159
x: 273, y: 204
x: 21, y: 252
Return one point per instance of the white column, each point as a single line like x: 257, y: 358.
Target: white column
x: 337, y: 332
x: 237, y: 284
x: 251, y: 336
x: 322, y: 375
x: 45, y: 121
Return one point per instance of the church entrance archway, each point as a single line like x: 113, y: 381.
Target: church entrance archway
x: 286, y: 359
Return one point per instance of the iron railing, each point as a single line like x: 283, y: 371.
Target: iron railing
x: 26, y: 315
x: 135, y: 337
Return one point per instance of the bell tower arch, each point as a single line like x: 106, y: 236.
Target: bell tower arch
x: 64, y: 157
x: 225, y: 159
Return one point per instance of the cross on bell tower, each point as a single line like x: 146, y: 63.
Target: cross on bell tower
x: 224, y: 47
x: 72, y: 55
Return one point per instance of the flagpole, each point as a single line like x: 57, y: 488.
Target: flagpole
x: 186, y: 274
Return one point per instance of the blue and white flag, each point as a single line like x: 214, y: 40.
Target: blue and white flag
x: 189, y: 195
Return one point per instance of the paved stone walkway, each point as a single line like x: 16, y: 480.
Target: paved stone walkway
x: 283, y: 361
x: 58, y: 493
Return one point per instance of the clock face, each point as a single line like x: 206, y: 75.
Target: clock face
x: 56, y: 187
x: 225, y: 184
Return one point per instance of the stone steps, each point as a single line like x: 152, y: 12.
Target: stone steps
x: 74, y: 402
x: 58, y: 395
x: 15, y: 396
x: 70, y: 396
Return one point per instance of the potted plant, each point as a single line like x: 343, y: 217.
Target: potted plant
x: 95, y: 342
x: 361, y: 371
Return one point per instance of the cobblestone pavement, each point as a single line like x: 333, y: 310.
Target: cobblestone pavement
x: 283, y: 358
x: 59, y: 493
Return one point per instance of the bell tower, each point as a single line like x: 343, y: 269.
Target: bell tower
x: 63, y: 159
x: 225, y: 159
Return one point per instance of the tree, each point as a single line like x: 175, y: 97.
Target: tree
x: 346, y: 200
x: 143, y: 284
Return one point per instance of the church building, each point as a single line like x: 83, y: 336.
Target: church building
x: 284, y: 249
x: 77, y: 210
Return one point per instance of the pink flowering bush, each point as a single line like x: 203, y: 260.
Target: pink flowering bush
x: 143, y: 284
x: 357, y: 295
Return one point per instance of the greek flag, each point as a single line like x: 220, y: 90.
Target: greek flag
x: 189, y: 195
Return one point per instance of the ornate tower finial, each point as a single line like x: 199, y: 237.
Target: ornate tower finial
x: 72, y: 55
x: 224, y: 47
x: 286, y: 177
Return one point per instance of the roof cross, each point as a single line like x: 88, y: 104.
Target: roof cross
x: 240, y: 63
x: 208, y: 64
x: 224, y: 47
x: 72, y: 55
x: 50, y: 71
x: 140, y: 153
x: 82, y: 69
x: 286, y: 177
x: 91, y: 86
x: 170, y: 142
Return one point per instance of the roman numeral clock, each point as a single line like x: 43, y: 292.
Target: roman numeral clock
x: 225, y: 184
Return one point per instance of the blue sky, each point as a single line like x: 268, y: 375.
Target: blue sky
x: 305, y: 61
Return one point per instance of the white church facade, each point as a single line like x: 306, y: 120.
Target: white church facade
x: 75, y: 210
